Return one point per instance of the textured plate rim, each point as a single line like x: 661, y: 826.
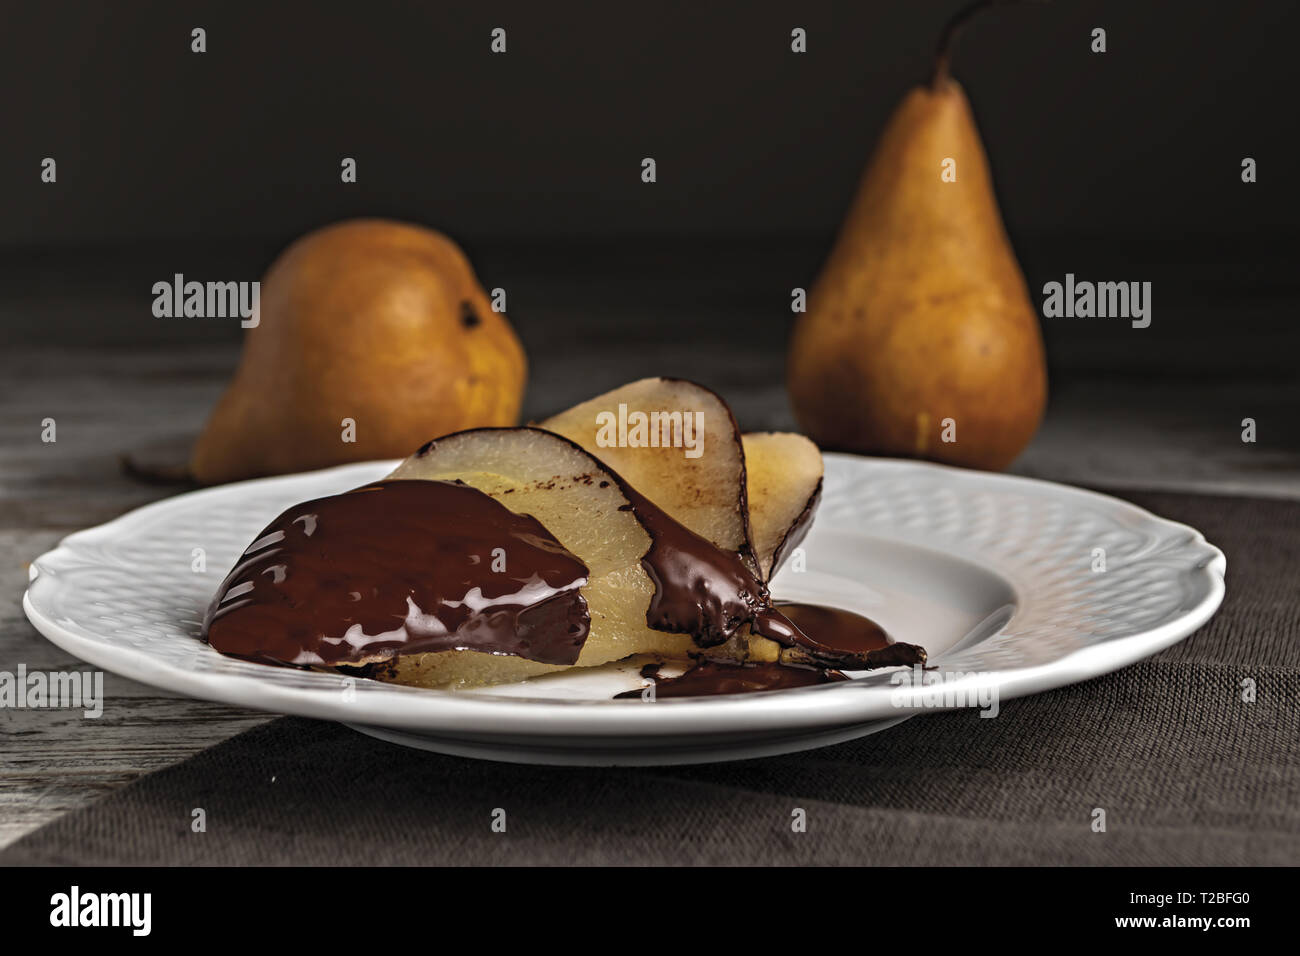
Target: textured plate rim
x: 444, y: 711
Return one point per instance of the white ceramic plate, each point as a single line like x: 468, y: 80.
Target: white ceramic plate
x: 996, y: 576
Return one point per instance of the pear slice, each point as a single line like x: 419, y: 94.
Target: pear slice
x: 678, y: 444
x: 784, y: 474
x: 582, y: 504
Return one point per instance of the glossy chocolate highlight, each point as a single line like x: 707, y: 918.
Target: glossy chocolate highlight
x: 401, y: 567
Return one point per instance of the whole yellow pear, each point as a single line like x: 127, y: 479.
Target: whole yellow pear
x: 921, y: 313
x: 370, y: 322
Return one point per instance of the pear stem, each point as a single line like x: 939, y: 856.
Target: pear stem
x: 939, y: 76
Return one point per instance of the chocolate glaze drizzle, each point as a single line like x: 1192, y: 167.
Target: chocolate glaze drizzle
x: 836, y: 631
x: 401, y: 567
x: 711, y: 678
x: 709, y: 593
x: 700, y: 589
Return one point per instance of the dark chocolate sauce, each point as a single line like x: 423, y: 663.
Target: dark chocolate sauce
x: 711, y: 678
x: 709, y: 593
x: 700, y: 589
x: 847, y: 639
x: 836, y: 628
x: 834, y: 634
x: 401, y: 567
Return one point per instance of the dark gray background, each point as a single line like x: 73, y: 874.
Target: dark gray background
x: 545, y: 141
x: 1122, y: 166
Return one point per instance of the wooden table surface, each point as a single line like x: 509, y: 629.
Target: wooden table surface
x: 150, y: 396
